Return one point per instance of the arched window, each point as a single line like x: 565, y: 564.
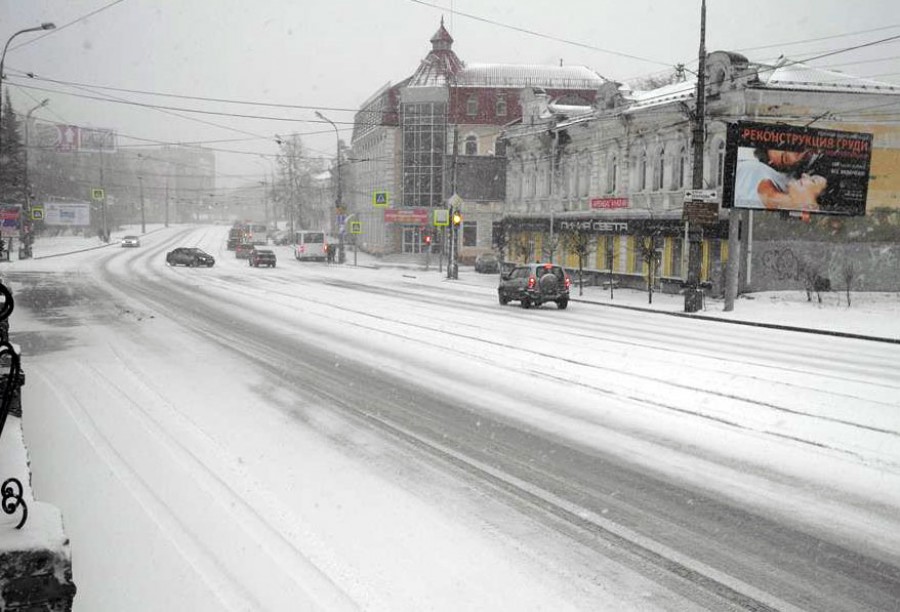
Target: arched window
x: 720, y: 163
x: 501, y: 107
x: 642, y: 172
x: 660, y: 173
x: 471, y: 145
x: 586, y: 185
x: 681, y: 169
x: 612, y: 170
x: 472, y: 106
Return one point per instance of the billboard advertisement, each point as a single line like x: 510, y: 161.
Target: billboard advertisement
x: 9, y: 219
x: 794, y: 168
x: 67, y: 213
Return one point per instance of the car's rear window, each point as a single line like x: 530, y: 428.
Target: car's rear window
x: 314, y: 238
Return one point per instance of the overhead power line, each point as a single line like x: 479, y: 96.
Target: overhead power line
x: 66, y: 25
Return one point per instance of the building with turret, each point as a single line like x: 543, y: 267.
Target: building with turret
x: 436, y: 133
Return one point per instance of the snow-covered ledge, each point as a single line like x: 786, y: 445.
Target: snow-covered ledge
x: 35, y: 561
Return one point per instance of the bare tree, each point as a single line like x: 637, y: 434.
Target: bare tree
x: 522, y: 249
x: 649, y: 254
x: 849, y: 273
x: 813, y: 281
x: 578, y: 242
x: 549, y: 247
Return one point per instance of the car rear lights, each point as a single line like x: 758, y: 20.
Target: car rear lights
x: 532, y: 281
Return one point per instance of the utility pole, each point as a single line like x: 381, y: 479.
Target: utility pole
x: 693, y: 297
x: 453, y: 247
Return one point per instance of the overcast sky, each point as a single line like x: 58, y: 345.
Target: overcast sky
x: 332, y: 55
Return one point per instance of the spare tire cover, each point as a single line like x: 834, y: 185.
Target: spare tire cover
x: 549, y: 283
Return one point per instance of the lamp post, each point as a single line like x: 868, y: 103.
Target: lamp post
x: 337, y: 197
x: 143, y: 158
x: 26, y: 236
x: 44, y: 26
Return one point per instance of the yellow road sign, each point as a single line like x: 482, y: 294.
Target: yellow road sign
x: 381, y: 199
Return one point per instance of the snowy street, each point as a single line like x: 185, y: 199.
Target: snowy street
x: 337, y: 437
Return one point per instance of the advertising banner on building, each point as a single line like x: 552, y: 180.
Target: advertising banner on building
x: 417, y: 216
x: 67, y: 213
x: 794, y: 168
x: 609, y: 203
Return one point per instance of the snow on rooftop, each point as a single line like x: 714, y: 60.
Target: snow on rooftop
x: 796, y: 75
x: 529, y: 75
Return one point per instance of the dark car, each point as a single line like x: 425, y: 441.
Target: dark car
x: 534, y: 284
x: 487, y: 263
x: 190, y: 256
x: 262, y: 257
x: 243, y: 250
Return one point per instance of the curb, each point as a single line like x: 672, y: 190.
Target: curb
x: 688, y: 315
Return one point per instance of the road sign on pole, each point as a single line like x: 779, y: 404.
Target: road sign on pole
x: 381, y: 199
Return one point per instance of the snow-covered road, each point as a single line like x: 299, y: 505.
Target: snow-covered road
x: 329, y: 437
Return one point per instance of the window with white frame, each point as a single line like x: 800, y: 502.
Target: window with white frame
x: 472, y: 106
x: 501, y: 107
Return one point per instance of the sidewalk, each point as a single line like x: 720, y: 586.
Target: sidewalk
x: 875, y: 315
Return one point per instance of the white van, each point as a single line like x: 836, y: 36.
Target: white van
x: 310, y: 246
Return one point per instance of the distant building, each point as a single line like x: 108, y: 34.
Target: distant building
x: 436, y: 133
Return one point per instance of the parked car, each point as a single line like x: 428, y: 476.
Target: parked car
x: 190, y: 256
x: 243, y: 250
x: 536, y: 283
x: 262, y: 257
x: 131, y: 241
x: 487, y: 263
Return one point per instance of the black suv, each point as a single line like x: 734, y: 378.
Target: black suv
x: 533, y: 284
x: 190, y: 256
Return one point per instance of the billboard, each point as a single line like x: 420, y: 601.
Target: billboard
x: 66, y: 138
x: 786, y: 167
x: 67, y: 213
x: 10, y: 215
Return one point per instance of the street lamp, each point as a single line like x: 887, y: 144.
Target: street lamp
x: 26, y: 236
x: 337, y: 198
x: 143, y: 158
x: 44, y: 26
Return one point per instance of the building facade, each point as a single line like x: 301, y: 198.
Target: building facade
x: 436, y: 134
x: 602, y: 186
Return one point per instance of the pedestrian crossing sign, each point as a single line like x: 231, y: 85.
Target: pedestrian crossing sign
x: 97, y: 194
x: 380, y: 199
x: 356, y: 227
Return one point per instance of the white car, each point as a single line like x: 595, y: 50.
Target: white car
x: 131, y: 241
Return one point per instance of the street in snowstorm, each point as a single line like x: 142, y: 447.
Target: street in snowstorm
x: 241, y: 438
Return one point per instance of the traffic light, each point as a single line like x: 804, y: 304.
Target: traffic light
x: 456, y: 217
x: 428, y: 239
